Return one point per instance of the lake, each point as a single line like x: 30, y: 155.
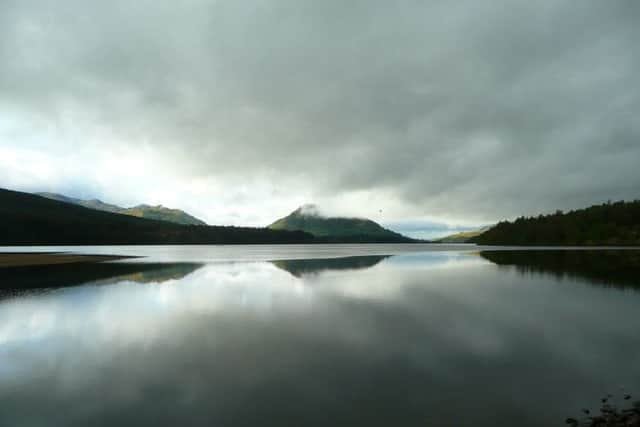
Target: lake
x: 320, y: 335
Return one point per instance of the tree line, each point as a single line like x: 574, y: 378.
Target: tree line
x: 606, y: 224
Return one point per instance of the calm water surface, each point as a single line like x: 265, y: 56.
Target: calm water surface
x: 319, y: 336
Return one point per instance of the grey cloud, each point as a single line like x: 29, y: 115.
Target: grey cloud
x: 483, y: 110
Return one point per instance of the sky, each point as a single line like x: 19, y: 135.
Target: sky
x: 427, y: 116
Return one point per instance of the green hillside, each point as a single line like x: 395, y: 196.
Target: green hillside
x: 162, y: 213
x: 607, y: 224
x: 159, y: 213
x: 28, y: 219
x: 91, y: 204
x: 461, y: 237
x: 336, y: 229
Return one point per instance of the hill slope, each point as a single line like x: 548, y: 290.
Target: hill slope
x: 607, y: 224
x: 337, y: 229
x: 160, y: 213
x: 28, y: 219
x: 461, y: 237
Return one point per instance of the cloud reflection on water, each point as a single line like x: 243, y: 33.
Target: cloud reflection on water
x: 412, y: 340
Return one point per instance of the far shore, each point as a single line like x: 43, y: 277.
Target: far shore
x: 52, y: 258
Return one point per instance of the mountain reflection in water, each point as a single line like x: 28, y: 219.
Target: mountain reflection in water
x: 17, y: 280
x: 417, y: 339
x: 617, y: 268
x: 303, y: 267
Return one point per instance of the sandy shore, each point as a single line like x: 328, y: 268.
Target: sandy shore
x: 51, y: 258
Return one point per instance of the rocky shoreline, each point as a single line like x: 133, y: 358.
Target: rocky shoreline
x: 610, y: 415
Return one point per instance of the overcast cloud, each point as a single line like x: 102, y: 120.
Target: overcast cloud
x: 461, y: 112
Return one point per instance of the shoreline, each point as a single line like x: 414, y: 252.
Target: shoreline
x: 30, y: 259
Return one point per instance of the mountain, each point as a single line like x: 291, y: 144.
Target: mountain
x: 461, y: 237
x: 606, y: 224
x: 91, y: 204
x: 28, y: 219
x: 160, y: 213
x: 337, y: 229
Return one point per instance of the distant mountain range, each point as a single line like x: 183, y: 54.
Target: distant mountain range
x: 159, y: 213
x: 461, y: 237
x: 29, y: 219
x: 308, y: 218
x: 54, y: 219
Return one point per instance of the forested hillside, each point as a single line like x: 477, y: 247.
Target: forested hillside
x: 607, y: 224
x: 27, y: 219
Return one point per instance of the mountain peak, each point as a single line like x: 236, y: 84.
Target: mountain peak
x: 308, y: 209
x: 309, y: 218
x: 158, y: 212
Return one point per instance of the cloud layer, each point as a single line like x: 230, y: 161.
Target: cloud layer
x: 464, y: 112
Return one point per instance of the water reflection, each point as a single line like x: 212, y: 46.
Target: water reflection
x: 303, y: 267
x: 411, y: 341
x: 617, y: 268
x: 17, y: 280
